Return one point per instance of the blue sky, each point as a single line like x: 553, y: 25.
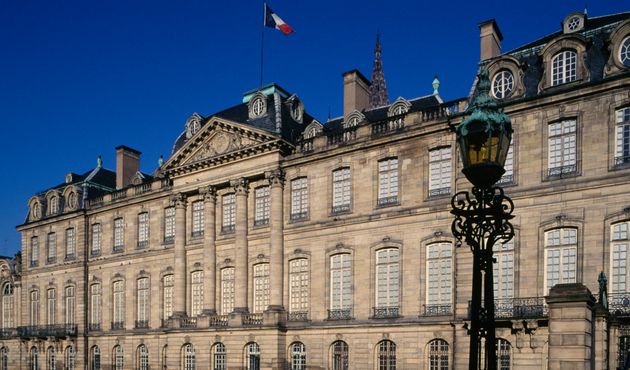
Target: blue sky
x: 78, y: 78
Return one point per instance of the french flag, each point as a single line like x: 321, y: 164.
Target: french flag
x: 273, y: 21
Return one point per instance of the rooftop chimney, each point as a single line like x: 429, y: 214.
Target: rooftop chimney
x: 490, y: 38
x: 127, y: 164
x: 356, y: 92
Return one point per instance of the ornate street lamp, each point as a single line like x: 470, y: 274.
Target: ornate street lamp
x: 483, y: 219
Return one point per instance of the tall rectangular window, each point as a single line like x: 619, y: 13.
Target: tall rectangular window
x: 619, y: 257
x: 622, y: 136
x: 34, y: 251
x: 196, y: 290
x: 503, y: 270
x: 560, y: 256
x: 228, y: 202
x: 69, y: 305
x: 96, y: 240
x: 143, y: 229
x: 95, y: 306
x: 169, y: 225
x: 198, y: 218
x: 119, y: 235
x: 341, y: 190
x: 562, y: 148
x: 340, y: 282
x: 563, y: 67
x: 168, y: 285
x: 298, y: 286
x: 70, y: 243
x: 387, y: 181
x: 34, y: 311
x: 387, y: 279
x: 227, y: 290
x: 440, y: 171
x: 261, y: 196
x: 51, y: 306
x: 143, y: 303
x: 51, y: 247
x: 8, y: 305
x: 118, y: 317
x: 440, y: 275
x: 261, y: 287
x: 299, y: 198
x: 508, y: 176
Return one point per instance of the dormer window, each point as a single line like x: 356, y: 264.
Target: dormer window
x: 193, y: 124
x: 503, y: 84
x: 36, y: 211
x: 258, y: 107
x: 297, y: 110
x: 564, y: 67
x: 624, y: 52
x: 72, y: 200
x: 574, y: 24
x: 53, y: 205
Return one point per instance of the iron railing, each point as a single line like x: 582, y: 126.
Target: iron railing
x: 340, y: 314
x: 253, y: 319
x: 437, y: 310
x: 560, y: 172
x: 439, y: 192
x: 518, y: 308
x: 622, y: 160
x: 142, y: 324
x: 387, y: 201
x: 8, y: 333
x: 297, y: 316
x: 389, y: 312
x: 95, y: 327
x: 42, y: 331
x: 298, y: 216
x: 619, y: 304
x: 118, y: 325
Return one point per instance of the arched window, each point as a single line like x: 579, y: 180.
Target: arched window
x: 252, y: 356
x: 387, y: 282
x: 69, y: 305
x: 51, y: 358
x: 386, y: 355
x: 438, y: 355
x: 624, y: 52
x: 219, y: 360
x: 70, y: 358
x: 142, y: 303
x: 298, y: 356
x: 165, y: 357
x: 339, y: 355
x: 53, y: 205
x: 95, y: 363
x: 196, y: 290
x: 504, y: 354
x: 168, y: 284
x: 34, y: 359
x: 298, y: 289
x: 7, y: 306
x: 119, y: 358
x: 143, y: 357
x: 188, y: 357
x: 502, y: 84
x: 4, y: 359
x: 118, y: 321
x: 560, y: 256
x: 563, y: 67
x: 261, y: 287
x: 623, y: 347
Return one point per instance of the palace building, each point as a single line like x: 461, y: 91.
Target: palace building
x: 271, y: 240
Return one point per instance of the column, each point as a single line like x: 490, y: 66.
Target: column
x: 276, y: 239
x: 179, y: 265
x: 570, y: 327
x: 241, y: 188
x: 210, y: 250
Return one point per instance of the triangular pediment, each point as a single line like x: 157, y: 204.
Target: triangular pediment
x: 221, y: 141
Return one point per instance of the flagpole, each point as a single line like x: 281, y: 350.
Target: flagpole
x: 262, y: 42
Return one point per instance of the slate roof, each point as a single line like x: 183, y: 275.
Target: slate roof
x: 291, y: 130
x: 98, y: 177
x: 597, y: 30
x: 380, y: 113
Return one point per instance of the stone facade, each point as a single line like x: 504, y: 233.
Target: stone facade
x: 268, y: 240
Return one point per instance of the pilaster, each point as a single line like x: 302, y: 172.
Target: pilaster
x: 179, y: 301
x: 210, y: 249
x: 241, y: 189
x: 276, y: 239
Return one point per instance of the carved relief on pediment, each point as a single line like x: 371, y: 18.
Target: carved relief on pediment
x: 220, y: 143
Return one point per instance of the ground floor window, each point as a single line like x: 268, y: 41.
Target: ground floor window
x: 298, y: 356
x: 339, y: 355
x: 34, y: 359
x: 219, y: 361
x: 504, y: 354
x: 387, y: 355
x: 252, y: 356
x: 438, y: 355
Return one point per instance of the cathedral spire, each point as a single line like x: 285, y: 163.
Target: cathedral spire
x: 378, y: 89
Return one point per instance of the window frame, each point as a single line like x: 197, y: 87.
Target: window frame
x: 96, y: 242
x: 262, y: 205
x: 435, y: 191
x: 439, y: 307
x: 169, y: 225
x: 228, y: 213
x: 561, y: 247
x: 341, y: 190
x: 261, y: 288
x: 70, y: 253
x: 118, y: 235
x: 198, y: 218
x: 388, y: 181
x: 196, y: 293
x: 299, y: 199
x: 143, y: 229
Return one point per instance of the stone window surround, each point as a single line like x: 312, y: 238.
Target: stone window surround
x: 613, y: 108
x: 515, y: 67
x: 330, y: 197
x: 386, y: 243
x: 553, y: 117
x: 622, y: 215
x: 439, y: 144
x: 390, y: 154
x: 560, y: 221
x: 620, y: 33
x: 572, y: 42
x: 339, y: 248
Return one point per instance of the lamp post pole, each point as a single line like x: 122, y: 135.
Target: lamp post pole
x: 482, y: 216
